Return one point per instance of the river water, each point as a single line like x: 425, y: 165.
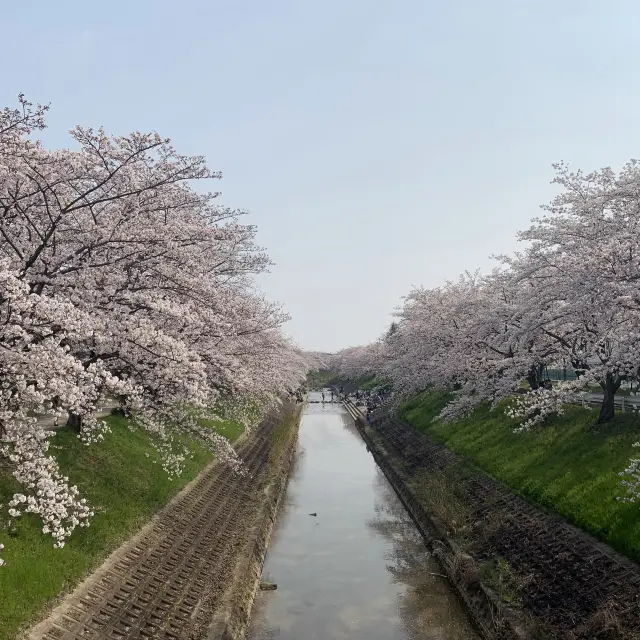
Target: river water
x: 359, y: 568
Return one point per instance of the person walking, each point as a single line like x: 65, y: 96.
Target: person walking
x: 323, y: 396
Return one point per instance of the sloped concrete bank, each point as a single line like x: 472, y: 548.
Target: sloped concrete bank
x: 234, y: 611
x: 198, y: 560
x: 491, y: 619
x: 522, y: 572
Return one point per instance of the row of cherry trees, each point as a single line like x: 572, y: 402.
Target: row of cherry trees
x: 118, y: 278
x: 571, y: 297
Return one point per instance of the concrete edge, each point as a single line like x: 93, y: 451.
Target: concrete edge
x: 231, y: 621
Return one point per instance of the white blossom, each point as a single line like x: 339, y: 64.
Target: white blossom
x: 570, y: 300
x: 118, y: 279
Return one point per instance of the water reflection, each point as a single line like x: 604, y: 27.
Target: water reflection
x: 425, y: 606
x: 359, y: 569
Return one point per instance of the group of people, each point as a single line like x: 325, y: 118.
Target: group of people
x: 298, y: 394
x: 333, y: 394
x: 361, y: 398
x: 368, y: 399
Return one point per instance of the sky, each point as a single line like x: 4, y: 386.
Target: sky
x: 377, y: 146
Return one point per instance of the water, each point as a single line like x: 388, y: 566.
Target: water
x: 359, y: 569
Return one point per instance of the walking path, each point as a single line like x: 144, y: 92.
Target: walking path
x: 49, y: 422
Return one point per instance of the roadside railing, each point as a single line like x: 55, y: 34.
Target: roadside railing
x: 49, y: 423
x: 622, y: 403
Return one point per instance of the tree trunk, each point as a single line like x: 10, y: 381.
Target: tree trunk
x: 120, y: 410
x: 75, y: 422
x: 609, y: 387
x: 534, y: 377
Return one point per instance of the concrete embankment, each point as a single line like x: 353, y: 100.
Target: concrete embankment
x: 521, y: 571
x: 192, y: 571
x: 234, y: 611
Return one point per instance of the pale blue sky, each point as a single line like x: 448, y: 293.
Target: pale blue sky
x: 377, y: 145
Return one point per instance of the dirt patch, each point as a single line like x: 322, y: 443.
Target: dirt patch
x: 438, y: 493
x: 567, y: 584
x: 169, y: 580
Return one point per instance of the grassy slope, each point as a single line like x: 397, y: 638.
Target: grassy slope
x: 228, y: 428
x: 120, y: 480
x: 320, y: 379
x: 369, y: 384
x: 565, y: 466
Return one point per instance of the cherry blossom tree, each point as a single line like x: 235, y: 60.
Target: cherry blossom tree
x: 581, y: 273
x: 119, y: 278
x: 318, y: 360
x: 356, y: 362
x: 570, y: 298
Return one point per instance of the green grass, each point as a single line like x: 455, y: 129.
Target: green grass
x: 565, y: 465
x: 123, y: 485
x: 503, y: 580
x: 228, y: 428
x: 281, y: 434
x: 365, y: 383
x: 439, y: 493
x: 369, y: 384
x: 322, y: 379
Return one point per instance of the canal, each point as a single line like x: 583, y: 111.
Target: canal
x: 357, y: 569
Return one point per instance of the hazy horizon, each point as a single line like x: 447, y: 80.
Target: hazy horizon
x: 376, y: 147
